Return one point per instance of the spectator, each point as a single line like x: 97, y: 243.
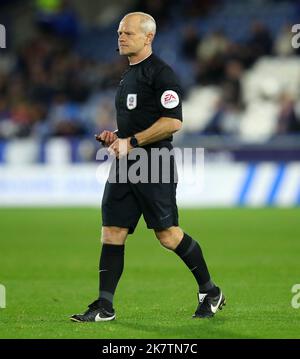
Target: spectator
x: 226, y: 119
x: 105, y: 116
x: 283, y: 42
x: 190, y: 43
x: 288, y: 121
x: 214, y: 44
x: 231, y: 86
x: 211, y: 58
x: 260, y: 42
x: 65, y: 118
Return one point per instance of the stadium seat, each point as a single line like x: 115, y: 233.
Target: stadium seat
x: 199, y: 107
x: 259, y: 121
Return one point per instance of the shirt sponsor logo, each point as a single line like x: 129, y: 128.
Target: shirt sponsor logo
x: 169, y: 99
x: 131, y: 101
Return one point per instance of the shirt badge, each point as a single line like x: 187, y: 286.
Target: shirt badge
x: 131, y: 101
x: 169, y: 99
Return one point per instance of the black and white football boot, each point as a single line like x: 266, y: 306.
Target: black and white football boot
x: 209, y: 305
x: 95, y: 313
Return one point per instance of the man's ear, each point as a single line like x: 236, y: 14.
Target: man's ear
x: 149, y: 38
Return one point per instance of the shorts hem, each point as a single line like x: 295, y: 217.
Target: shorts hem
x: 162, y: 226
x: 131, y: 228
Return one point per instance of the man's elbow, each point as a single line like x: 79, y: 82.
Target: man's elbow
x: 176, y: 125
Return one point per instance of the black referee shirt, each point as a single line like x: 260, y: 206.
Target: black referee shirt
x: 147, y: 91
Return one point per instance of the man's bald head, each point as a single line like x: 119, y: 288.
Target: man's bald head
x: 147, y: 22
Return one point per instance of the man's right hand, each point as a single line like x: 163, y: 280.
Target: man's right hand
x: 106, y: 138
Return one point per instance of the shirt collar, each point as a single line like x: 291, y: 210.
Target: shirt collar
x: 136, y: 63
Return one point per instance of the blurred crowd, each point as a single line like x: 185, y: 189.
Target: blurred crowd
x: 219, y: 61
x: 51, y: 91
x: 48, y: 89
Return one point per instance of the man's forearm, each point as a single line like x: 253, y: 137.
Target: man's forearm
x: 161, y: 129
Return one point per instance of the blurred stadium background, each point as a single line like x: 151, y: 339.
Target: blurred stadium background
x: 241, y: 80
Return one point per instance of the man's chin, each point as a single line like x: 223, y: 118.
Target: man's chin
x: 124, y: 52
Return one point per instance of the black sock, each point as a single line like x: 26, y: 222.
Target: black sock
x: 190, y: 252
x: 110, y: 271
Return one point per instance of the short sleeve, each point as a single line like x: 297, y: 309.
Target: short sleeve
x: 168, y: 94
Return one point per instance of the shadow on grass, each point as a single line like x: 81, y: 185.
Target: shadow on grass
x: 193, y: 329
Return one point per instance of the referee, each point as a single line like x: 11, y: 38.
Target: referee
x: 149, y: 111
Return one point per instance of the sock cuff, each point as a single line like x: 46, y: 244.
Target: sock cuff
x: 106, y: 295
x: 185, y: 246
x: 203, y: 288
x: 113, y: 249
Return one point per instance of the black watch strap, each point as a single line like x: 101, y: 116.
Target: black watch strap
x: 134, y: 141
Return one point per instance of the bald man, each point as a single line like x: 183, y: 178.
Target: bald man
x: 149, y: 112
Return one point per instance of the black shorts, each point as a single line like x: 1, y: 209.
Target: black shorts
x: 124, y: 203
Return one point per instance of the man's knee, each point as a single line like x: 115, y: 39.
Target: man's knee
x: 114, y: 235
x: 170, y: 237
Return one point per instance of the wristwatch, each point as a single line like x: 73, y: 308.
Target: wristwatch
x: 133, y: 142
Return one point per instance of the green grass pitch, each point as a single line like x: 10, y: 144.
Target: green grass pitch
x: 49, y: 266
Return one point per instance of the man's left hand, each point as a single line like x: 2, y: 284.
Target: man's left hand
x: 120, y: 148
